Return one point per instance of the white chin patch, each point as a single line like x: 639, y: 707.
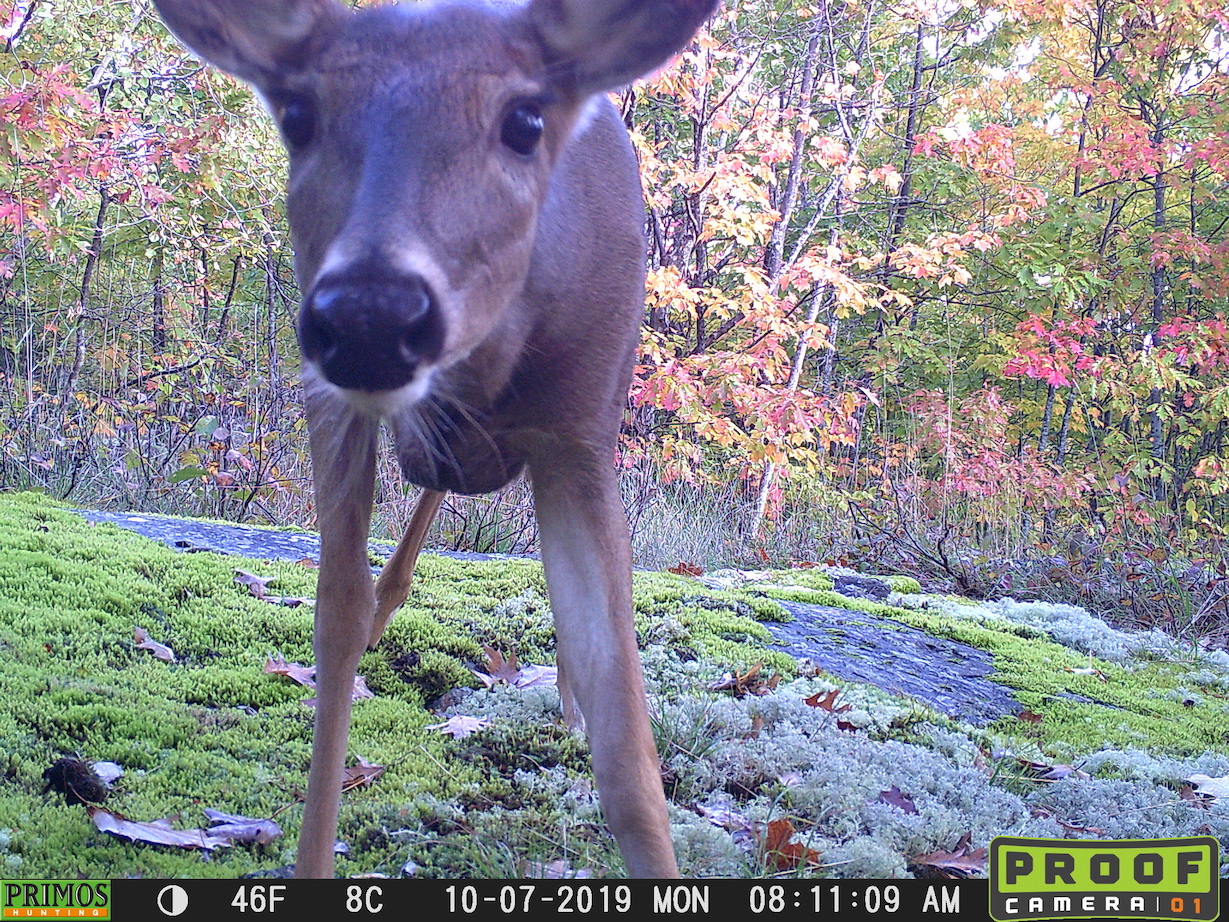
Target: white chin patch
x: 380, y: 404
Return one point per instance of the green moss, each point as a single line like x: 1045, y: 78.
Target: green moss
x: 211, y: 729
x: 903, y: 584
x: 1127, y: 704
x: 214, y: 730
x: 713, y: 625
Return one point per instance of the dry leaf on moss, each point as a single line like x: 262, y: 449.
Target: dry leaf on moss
x: 259, y: 588
x: 827, y: 701
x: 362, y: 775
x: 257, y: 584
x: 159, y: 650
x: 158, y: 832
x: 1209, y: 787
x: 461, y: 726
x: 509, y: 672
x: 780, y: 854
x: 306, y: 675
x: 960, y: 862
x: 896, y: 798
x: 746, y: 683
x: 686, y: 569
x: 224, y: 830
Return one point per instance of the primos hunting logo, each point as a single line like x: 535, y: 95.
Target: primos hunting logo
x: 1131, y: 879
x: 56, y: 899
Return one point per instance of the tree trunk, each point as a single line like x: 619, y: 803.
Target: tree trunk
x: 83, y: 299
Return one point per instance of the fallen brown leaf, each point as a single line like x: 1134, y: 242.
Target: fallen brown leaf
x: 896, y: 798
x: 362, y: 775
x: 827, y: 701
x: 256, y: 584
x: 259, y: 588
x: 510, y: 672
x: 961, y: 862
x: 686, y: 569
x: 1212, y: 788
x: 746, y: 683
x: 159, y: 650
x: 158, y: 832
x: 306, y: 675
x: 780, y: 854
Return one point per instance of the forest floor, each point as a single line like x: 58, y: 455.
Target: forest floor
x: 161, y: 667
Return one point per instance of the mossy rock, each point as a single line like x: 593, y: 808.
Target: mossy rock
x: 214, y: 730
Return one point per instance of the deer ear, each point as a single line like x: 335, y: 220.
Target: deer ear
x: 254, y: 40
x: 597, y: 45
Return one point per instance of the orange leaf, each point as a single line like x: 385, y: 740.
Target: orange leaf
x: 783, y: 855
x: 827, y: 701
x: 686, y: 569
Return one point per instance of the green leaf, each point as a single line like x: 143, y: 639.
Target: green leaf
x: 187, y: 473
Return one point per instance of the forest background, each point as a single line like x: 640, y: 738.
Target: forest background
x: 936, y: 287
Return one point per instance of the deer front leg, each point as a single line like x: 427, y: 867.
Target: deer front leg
x: 343, y: 448
x: 393, y: 586
x: 587, y: 556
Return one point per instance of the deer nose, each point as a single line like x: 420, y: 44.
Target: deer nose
x: 370, y: 331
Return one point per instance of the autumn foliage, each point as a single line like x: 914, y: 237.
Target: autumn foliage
x: 966, y: 262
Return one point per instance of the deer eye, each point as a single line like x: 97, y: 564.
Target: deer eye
x: 522, y: 128
x: 298, y: 121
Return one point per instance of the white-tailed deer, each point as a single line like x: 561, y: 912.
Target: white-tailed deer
x: 467, y: 221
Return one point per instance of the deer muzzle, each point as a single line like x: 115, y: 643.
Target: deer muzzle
x: 370, y: 329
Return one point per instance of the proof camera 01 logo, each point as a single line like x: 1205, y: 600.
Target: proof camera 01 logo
x: 1124, y: 879
x: 56, y: 899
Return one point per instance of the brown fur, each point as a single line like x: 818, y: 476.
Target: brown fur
x: 530, y: 271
